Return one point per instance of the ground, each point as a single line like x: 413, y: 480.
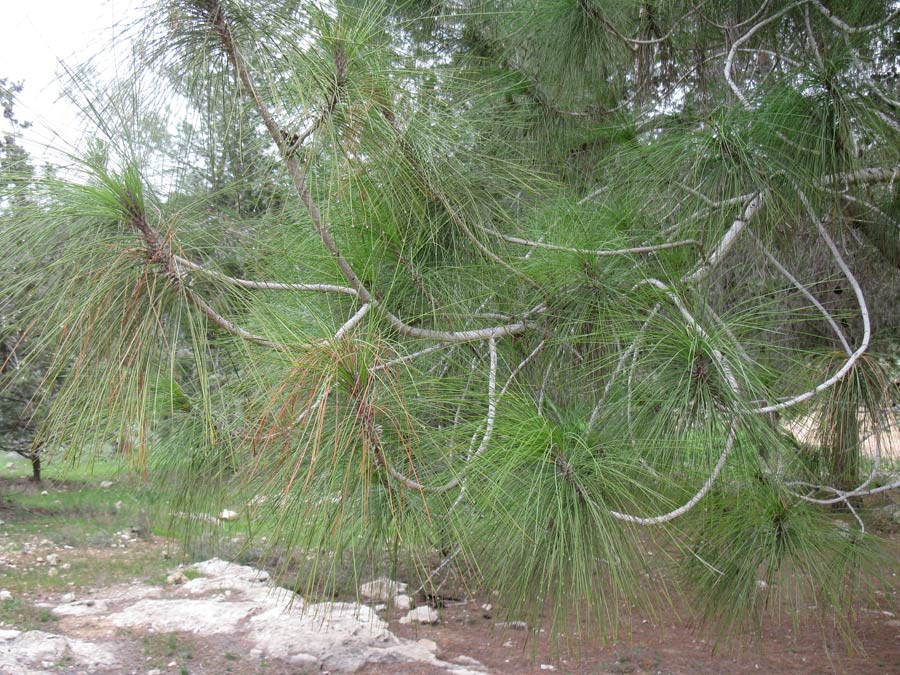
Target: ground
x: 102, y: 545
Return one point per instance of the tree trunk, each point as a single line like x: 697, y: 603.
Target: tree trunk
x: 36, y: 468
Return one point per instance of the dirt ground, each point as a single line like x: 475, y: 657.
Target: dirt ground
x: 467, y: 634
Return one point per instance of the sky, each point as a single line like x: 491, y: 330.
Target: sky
x: 36, y: 37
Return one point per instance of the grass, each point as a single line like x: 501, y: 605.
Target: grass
x: 96, y: 531
x: 25, y: 616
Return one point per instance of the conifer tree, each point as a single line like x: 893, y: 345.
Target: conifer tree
x: 521, y: 287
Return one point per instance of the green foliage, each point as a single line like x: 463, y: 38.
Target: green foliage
x: 408, y: 285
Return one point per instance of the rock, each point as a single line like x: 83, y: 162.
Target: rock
x: 154, y: 671
x: 86, y: 607
x: 176, y: 578
x: 423, y: 614
x: 5, y: 595
x: 228, y: 515
x: 118, y: 505
x: 381, y: 589
x: 53, y: 559
x: 430, y: 645
x: 35, y: 646
x: 106, y: 484
x: 403, y: 603
x: 305, y: 663
x: 547, y: 666
x: 68, y: 597
x: 464, y: 660
x: 52, y: 572
x: 514, y: 625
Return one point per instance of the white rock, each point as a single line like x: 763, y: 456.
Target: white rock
x: 403, y: 603
x: 176, y: 578
x: 68, y: 597
x: 381, y: 589
x: 53, y: 558
x: 106, y: 484
x: 227, y: 514
x: 423, y: 614
x: 5, y: 595
x: 52, y: 572
x: 547, y: 666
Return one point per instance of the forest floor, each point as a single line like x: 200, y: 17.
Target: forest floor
x: 103, y: 548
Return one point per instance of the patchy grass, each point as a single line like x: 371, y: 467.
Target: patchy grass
x: 25, y: 616
x: 96, y: 519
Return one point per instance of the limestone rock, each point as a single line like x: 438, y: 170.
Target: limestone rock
x: 382, y: 589
x: 423, y: 614
x: 403, y: 603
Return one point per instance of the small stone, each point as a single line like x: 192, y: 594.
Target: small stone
x: 5, y: 595
x: 118, y: 505
x: 403, y: 603
x: 106, y: 484
x: 155, y: 671
x: 171, y: 664
x: 227, y: 514
x: 380, y: 607
x: 68, y: 597
x: 423, y: 614
x: 382, y: 589
x: 547, y: 666
x: 65, y: 566
x: 176, y: 578
x: 53, y: 558
x: 52, y: 572
x: 761, y: 584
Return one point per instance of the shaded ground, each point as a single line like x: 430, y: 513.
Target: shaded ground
x: 104, y: 553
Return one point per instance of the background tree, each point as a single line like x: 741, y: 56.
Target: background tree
x: 21, y: 374
x: 476, y: 283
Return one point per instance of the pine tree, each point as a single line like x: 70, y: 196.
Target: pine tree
x: 513, y: 286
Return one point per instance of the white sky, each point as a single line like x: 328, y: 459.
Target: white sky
x: 35, y: 35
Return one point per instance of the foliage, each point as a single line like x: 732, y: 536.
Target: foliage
x: 488, y: 281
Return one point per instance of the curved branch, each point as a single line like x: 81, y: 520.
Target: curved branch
x: 847, y: 28
x: 732, y: 432
x: 805, y: 291
x: 485, y: 439
x: 216, y: 14
x: 186, y: 264
x: 595, y: 252
x: 864, y: 314
x: 729, y: 60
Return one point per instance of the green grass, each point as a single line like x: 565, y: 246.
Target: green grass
x: 25, y: 616
x: 69, y: 513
